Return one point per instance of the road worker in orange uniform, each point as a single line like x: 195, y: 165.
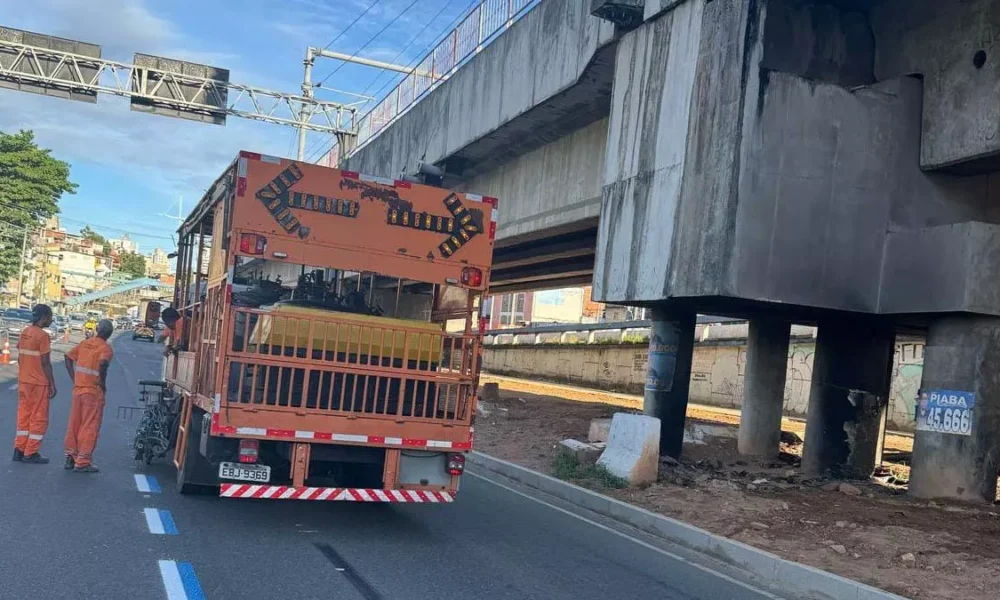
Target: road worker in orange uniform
x: 175, y: 326
x: 35, y: 387
x: 88, y: 368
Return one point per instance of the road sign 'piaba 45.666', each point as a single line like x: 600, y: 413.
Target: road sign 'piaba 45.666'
x: 945, y: 411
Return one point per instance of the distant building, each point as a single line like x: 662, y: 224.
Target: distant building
x: 124, y: 244
x: 567, y: 305
x: 157, y: 263
x: 79, y: 270
x: 510, y: 310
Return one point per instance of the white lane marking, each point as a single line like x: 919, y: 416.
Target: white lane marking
x: 153, y: 521
x: 172, y: 580
x: 646, y: 545
x: 147, y: 484
x: 13, y: 388
x: 160, y: 522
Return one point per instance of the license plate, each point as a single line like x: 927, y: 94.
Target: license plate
x: 242, y: 472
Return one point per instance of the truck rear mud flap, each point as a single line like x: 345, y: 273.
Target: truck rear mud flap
x: 331, y: 494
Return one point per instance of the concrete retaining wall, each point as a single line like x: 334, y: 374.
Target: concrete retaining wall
x: 716, y: 374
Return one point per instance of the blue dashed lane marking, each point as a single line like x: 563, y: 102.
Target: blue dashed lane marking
x: 147, y: 484
x: 179, y: 581
x: 160, y: 522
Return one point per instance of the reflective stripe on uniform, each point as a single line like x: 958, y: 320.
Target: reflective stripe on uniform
x: 21, y: 433
x: 86, y: 370
x: 34, y: 436
x: 30, y: 352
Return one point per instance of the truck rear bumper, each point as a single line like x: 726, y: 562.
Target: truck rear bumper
x: 282, y: 492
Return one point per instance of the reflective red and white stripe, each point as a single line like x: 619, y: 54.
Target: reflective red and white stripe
x: 321, y: 436
x: 494, y: 214
x: 329, y: 494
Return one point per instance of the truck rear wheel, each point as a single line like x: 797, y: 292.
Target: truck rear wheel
x: 196, y: 475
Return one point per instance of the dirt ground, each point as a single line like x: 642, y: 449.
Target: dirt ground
x: 869, y: 531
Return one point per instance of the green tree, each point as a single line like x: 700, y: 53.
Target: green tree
x: 31, y: 184
x: 89, y: 234
x: 134, y: 264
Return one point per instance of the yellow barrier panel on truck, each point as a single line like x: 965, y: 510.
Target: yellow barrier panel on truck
x: 350, y: 334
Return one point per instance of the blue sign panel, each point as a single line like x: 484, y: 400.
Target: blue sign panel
x: 945, y: 411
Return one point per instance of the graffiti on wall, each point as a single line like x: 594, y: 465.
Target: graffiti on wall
x: 907, y: 368
x: 718, y: 372
x: 798, y: 378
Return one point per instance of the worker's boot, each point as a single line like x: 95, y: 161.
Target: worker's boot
x: 70, y: 463
x: 86, y: 469
x: 18, y: 455
x: 36, y: 459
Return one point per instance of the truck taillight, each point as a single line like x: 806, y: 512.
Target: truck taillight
x: 251, y: 243
x: 248, y: 451
x: 472, y: 277
x: 456, y: 464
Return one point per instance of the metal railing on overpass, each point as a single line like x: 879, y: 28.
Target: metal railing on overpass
x: 586, y: 333
x: 474, y: 33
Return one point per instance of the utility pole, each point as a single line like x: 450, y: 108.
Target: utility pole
x: 20, y: 281
x: 42, y: 293
x: 307, y: 92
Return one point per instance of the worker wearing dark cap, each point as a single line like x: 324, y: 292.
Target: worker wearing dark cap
x: 87, y: 365
x: 35, y: 387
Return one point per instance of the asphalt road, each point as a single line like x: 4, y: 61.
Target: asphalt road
x: 75, y: 536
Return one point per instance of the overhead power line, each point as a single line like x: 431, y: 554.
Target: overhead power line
x: 370, y: 40
x: 91, y: 224
x: 316, y: 152
x: 412, y: 40
x: 351, y: 24
x: 319, y: 143
x: 420, y: 56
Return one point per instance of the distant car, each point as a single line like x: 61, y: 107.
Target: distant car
x: 135, y: 322
x: 142, y: 332
x: 16, y: 320
x: 76, y: 322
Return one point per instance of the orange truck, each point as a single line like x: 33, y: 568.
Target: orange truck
x: 331, y: 345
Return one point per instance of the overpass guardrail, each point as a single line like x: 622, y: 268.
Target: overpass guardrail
x: 592, y: 333
x: 480, y: 27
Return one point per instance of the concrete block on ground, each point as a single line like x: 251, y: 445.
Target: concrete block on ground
x: 582, y: 451
x: 599, y: 430
x: 633, y: 451
x: 490, y: 392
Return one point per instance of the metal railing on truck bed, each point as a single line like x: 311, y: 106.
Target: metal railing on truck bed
x: 347, y: 364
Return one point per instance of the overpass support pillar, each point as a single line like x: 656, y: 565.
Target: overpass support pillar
x: 848, y: 397
x: 668, y: 375
x: 764, y: 387
x: 958, y: 411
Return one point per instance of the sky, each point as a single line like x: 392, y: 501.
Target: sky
x: 132, y: 167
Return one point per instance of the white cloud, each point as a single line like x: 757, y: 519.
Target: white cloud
x: 120, y: 27
x: 172, y: 155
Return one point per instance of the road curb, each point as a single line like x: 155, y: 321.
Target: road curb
x: 806, y: 581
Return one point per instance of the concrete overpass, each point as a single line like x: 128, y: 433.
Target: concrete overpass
x: 526, y: 121
x: 831, y: 162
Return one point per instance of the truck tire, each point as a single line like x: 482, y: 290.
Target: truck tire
x: 196, y: 475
